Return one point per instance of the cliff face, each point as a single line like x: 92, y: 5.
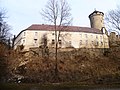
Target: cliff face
x: 83, y: 65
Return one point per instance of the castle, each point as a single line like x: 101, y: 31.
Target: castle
x: 70, y: 37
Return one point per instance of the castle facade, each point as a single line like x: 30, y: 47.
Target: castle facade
x: 70, y: 36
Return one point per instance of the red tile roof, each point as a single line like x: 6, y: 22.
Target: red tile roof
x: 42, y: 27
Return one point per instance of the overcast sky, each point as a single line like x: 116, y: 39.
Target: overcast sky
x: 23, y: 13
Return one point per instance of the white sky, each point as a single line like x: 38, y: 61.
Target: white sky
x: 23, y: 13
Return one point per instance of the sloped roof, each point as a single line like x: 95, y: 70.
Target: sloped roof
x: 42, y: 27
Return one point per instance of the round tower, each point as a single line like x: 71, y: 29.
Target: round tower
x: 97, y: 19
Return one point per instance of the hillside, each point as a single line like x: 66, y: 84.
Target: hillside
x: 82, y: 65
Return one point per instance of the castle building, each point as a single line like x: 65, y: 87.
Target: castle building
x: 114, y: 39
x: 70, y: 36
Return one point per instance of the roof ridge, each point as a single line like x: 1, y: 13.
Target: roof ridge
x: 47, y: 27
x: 57, y: 25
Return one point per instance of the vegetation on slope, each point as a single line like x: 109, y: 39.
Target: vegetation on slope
x: 83, y: 65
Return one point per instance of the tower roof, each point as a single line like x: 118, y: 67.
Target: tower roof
x: 96, y: 12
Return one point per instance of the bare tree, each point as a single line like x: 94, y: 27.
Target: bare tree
x: 113, y: 19
x: 4, y: 32
x: 4, y: 28
x: 4, y: 37
x: 58, y: 13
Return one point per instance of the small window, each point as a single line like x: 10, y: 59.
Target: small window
x: 35, y: 40
x: 86, y: 42
x: 36, y: 33
x: 96, y: 37
x: 86, y: 35
x: 69, y: 42
x: 53, y: 41
x: 24, y: 33
x: 106, y: 43
x: 97, y: 43
x: 60, y: 42
x: 92, y: 42
x: 23, y: 41
x: 101, y: 43
x: 80, y: 42
x: 53, y: 33
x: 80, y: 35
x: 100, y: 37
x: 91, y: 36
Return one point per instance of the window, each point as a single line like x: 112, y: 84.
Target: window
x: 80, y: 42
x: 101, y: 43
x: 92, y: 42
x: 96, y: 43
x: 23, y: 41
x: 36, y: 33
x: 80, y: 35
x: 86, y: 35
x: 53, y: 33
x: 86, y: 42
x: 24, y: 33
x: 60, y: 42
x: 35, y: 40
x: 53, y: 41
x: 70, y: 43
x: 100, y: 37
x: 91, y: 36
x: 96, y: 37
x: 106, y: 43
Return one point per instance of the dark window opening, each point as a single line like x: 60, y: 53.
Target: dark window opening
x: 53, y: 41
x: 60, y: 42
